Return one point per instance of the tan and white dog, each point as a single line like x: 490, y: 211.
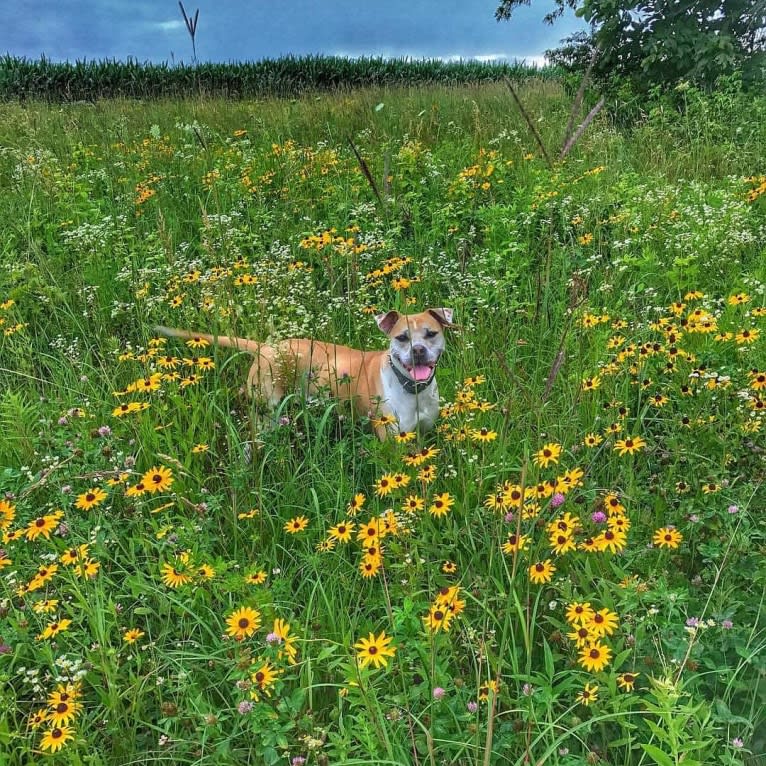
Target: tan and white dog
x: 398, y: 382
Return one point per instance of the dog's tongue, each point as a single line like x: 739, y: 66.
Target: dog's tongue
x: 421, y: 372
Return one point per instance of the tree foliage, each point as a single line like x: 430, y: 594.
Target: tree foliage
x: 662, y: 41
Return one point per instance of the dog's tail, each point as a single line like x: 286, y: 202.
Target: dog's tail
x: 241, y: 344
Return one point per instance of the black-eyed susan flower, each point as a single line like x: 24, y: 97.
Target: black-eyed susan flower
x: 281, y: 630
x: 542, y: 572
x: 295, y: 525
x: 561, y: 544
x: 243, y: 622
x: 413, y: 504
x: 256, y: 578
x: 342, y: 531
x: 54, y: 739
x: 595, y: 656
x: 370, y: 567
x: 43, y: 525
x: 355, y: 504
x: 547, y: 455
x: 588, y: 695
x: 45, y: 606
x: 63, y: 712
x: 374, y: 650
x: 581, y: 636
x: 602, y: 623
x: 579, y: 613
x: 385, y: 485
x: 483, y: 435
x: 591, y: 383
x: 667, y: 537
x: 441, y: 504
x: 90, y: 499
x: 438, y: 618
x: 263, y: 679
x: 612, y: 540
x: 627, y: 681
x: 449, y: 567
x: 132, y: 635
x: 174, y: 577
x: 592, y: 440
x: 157, y: 479
x: 747, y: 336
x: 515, y: 543
x: 53, y: 628
x: 629, y: 445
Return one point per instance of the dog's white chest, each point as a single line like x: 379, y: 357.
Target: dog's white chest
x: 415, y: 412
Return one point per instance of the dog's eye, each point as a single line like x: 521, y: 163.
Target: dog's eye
x: 431, y: 333
x: 403, y: 338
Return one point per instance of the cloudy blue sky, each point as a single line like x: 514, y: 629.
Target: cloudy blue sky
x: 240, y: 30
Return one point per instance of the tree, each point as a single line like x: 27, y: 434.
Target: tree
x: 662, y: 41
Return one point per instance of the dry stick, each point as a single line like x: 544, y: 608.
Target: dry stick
x: 583, y: 125
x: 529, y: 123
x: 365, y: 170
x: 577, y: 103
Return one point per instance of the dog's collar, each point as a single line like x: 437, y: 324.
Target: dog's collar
x: 408, y: 384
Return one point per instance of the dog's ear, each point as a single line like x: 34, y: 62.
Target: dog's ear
x: 387, y: 321
x: 443, y: 316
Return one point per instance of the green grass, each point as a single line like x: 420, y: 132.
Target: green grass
x: 119, y: 216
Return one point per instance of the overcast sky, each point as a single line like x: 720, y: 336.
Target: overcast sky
x: 241, y: 30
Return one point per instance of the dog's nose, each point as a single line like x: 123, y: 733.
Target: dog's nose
x: 419, y: 351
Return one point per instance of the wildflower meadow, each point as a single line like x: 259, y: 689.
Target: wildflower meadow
x: 569, y: 570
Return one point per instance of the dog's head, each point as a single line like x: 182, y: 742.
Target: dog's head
x: 417, y: 340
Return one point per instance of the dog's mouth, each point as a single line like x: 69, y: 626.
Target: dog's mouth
x: 419, y: 372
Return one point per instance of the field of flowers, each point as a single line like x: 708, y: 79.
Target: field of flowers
x: 569, y: 571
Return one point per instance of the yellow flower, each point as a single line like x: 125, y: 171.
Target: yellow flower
x: 243, y: 622
x: 595, y: 656
x: 384, y: 485
x: 90, y: 499
x: 282, y: 630
x: 157, y: 479
x: 438, y: 618
x: 256, y: 578
x: 667, y: 537
x: 296, y: 524
x: 588, y: 694
x: 515, y: 543
x: 441, y: 504
x: 592, y: 440
x: 174, y: 577
x: 263, y: 678
x: 629, y: 445
x: 132, y: 635
x: 355, y: 504
x: 747, y: 336
x: 483, y: 435
x: 591, y: 384
x: 627, y: 681
x: 548, y: 454
x: 54, y: 739
x: 374, y: 650
x: 52, y: 629
x: 541, y: 572
x: 603, y: 623
x: 342, y: 531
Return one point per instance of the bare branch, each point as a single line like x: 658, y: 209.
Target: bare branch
x: 529, y: 123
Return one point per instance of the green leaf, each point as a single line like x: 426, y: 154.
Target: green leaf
x: 659, y: 757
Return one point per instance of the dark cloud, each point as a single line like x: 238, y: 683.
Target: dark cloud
x: 241, y: 30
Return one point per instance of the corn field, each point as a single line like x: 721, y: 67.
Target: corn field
x: 22, y: 78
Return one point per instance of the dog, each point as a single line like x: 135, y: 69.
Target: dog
x: 396, y: 387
